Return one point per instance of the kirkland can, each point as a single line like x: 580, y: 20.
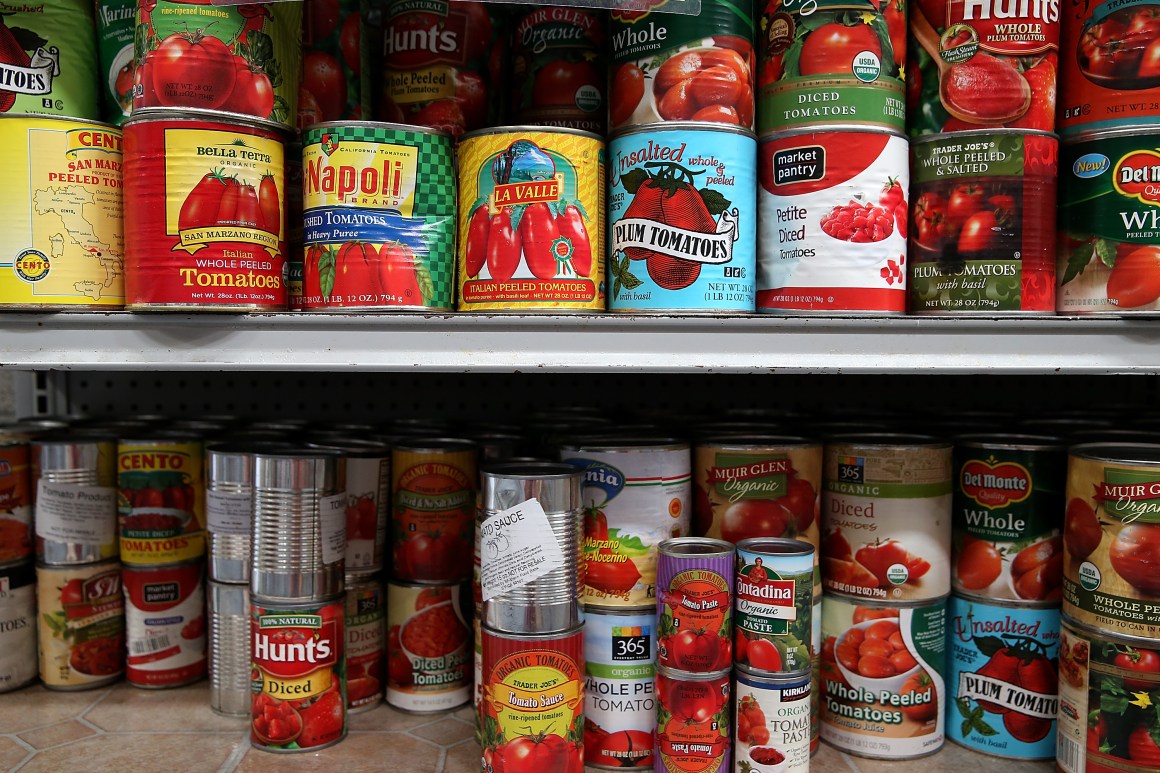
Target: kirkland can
x: 433, y: 487
x: 886, y: 517
x: 558, y: 69
x: 15, y: 501
x: 116, y: 27
x: 334, y: 37
x: 693, y: 730
x: 983, y: 230
x: 429, y: 666
x: 160, y: 498
x: 882, y: 677
x: 209, y: 228
x: 81, y: 625
x: 1006, y: 536
x: 366, y: 642
x: 228, y: 609
x: 531, y: 220
x: 620, y: 689
x: 18, y: 624
x: 772, y: 721
x: 379, y: 208
x: 50, y: 59
x: 773, y: 606
x: 695, y: 577
x: 681, y: 199
x: 832, y: 206
x: 165, y: 624
x: 75, y: 505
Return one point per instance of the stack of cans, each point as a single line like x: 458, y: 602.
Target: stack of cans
x: 18, y: 616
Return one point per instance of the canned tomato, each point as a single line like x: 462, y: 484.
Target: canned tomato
x: 379, y: 208
x: 366, y: 643
x: 228, y: 656
x: 334, y: 40
x: 18, y: 624
x: 557, y: 55
x: 433, y: 485
x: 681, y: 200
x: 160, y: 502
x: 368, y: 496
x: 882, y: 677
x: 75, y: 505
x: 50, y: 59
x: 774, y: 604
x: 531, y: 220
x: 226, y: 58
x: 229, y: 508
x: 165, y: 624
x: 15, y: 501
x: 299, y: 674
x: 772, y: 722
x: 695, y: 580
x: 116, y: 26
x: 1002, y: 695
x: 693, y: 730
x: 619, y: 692
x: 983, y: 230
x: 1111, y: 538
x: 1006, y: 537
x: 832, y: 206
x: 81, y: 625
x: 428, y: 647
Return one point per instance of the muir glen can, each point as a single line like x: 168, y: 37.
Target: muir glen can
x: 15, y: 500
x: 366, y: 642
x: 18, y: 624
x: 557, y: 64
x: 693, y: 728
x: 165, y: 629
x: 429, y: 666
x: 81, y: 625
x: 772, y: 717
x: 49, y: 60
x: 620, y: 689
x: 695, y: 580
x: 773, y: 606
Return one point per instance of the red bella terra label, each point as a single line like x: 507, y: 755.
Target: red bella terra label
x: 995, y: 485
x: 696, y: 622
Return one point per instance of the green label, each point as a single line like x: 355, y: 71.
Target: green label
x: 928, y: 628
x: 994, y: 155
x: 116, y: 22
x: 841, y: 99
x: 1005, y: 495
x: 776, y: 607
x: 1109, y: 188
x: 969, y: 285
x: 1140, y: 615
x: 1130, y: 495
x: 50, y: 54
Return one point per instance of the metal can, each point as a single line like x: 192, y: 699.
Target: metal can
x: 693, y: 730
x: 50, y: 59
x: 366, y: 642
x: 557, y: 64
x: 531, y: 220
x: 429, y: 665
x: 18, y: 624
x: 695, y: 580
x: 433, y: 486
x: 160, y: 502
x: 681, y: 199
x: 334, y: 37
x: 75, y: 505
x: 773, y: 605
x: 209, y: 230
x: 81, y: 625
x: 228, y: 609
x: 379, y: 208
x: 116, y: 26
x: 772, y: 720
x: 15, y: 501
x: 1005, y: 527
x: 620, y: 689
x: 165, y: 624
x: 368, y: 501
x: 229, y: 507
x: 886, y: 517
x: 832, y: 217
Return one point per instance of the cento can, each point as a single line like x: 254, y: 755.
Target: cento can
x: 832, y: 206
x: 366, y: 642
x: 75, y: 502
x: 620, y: 688
x: 557, y: 65
x: 886, y: 517
x: 531, y: 220
x: 429, y: 663
x: 771, y: 715
x: 695, y: 580
x: 81, y: 625
x: 983, y: 225
x: 228, y: 609
x: 681, y: 200
x: 209, y: 230
x: 334, y: 37
x: 116, y: 27
x: 50, y: 59
x: 433, y: 487
x: 165, y: 624
x: 161, y: 498
x: 1005, y: 527
x: 693, y: 730
x: 18, y: 624
x: 379, y: 209
x: 15, y: 500
x: 773, y: 605
x: 1002, y: 695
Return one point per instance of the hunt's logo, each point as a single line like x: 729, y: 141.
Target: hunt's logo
x: 995, y: 485
x: 1137, y: 176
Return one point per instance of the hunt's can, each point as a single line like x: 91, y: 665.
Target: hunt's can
x: 433, y: 485
x: 161, y: 498
x: 368, y: 498
x: 81, y: 625
x: 18, y: 624
x: 772, y: 720
x: 557, y: 65
x: 983, y: 230
x: 531, y: 220
x: 832, y: 210
x: 379, y: 208
x: 620, y: 689
x: 773, y: 605
x: 228, y: 656
x: 15, y: 500
x: 429, y: 666
x: 682, y: 219
x: 335, y: 39
x: 75, y: 502
x: 693, y: 730
x: 49, y: 59
x: 116, y: 27
x: 165, y: 624
x: 366, y: 642
x: 695, y: 581
x: 210, y: 229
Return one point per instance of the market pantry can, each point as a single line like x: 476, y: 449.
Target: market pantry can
x: 557, y: 66
x: 531, y: 220
x: 18, y: 624
x: 833, y: 219
x: 433, y: 485
x: 15, y: 500
x: 774, y: 604
x: 50, y: 59
x: 165, y: 627
x: 429, y: 662
x: 366, y: 642
x: 75, y: 505
x: 693, y: 728
x: 81, y: 625
x: 620, y: 689
x: 682, y: 219
x: 161, y: 498
x: 116, y: 27
x: 772, y: 717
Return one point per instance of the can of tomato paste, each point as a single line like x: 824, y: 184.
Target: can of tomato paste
x: 429, y: 663
x: 165, y: 624
x: 209, y: 230
x: 531, y: 220
x: 228, y: 609
x: 366, y: 642
x: 81, y: 625
x: 336, y: 73
x: 1005, y: 527
x: 772, y: 721
x: 832, y: 206
x: 693, y: 728
x: 773, y: 605
x: 225, y: 58
x: 695, y: 579
x: 18, y: 624
x: 883, y: 694
x: 75, y: 501
x: 636, y: 493
x: 15, y: 500
x: 160, y: 501
x: 620, y: 688
x: 50, y: 59
x: 1002, y: 695
x: 433, y: 488
x: 368, y: 497
x: 557, y: 65
x: 299, y: 674
x: 379, y: 208
x: 886, y: 517
x: 982, y: 65
x: 116, y: 26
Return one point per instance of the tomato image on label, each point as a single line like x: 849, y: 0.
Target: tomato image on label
x: 693, y: 729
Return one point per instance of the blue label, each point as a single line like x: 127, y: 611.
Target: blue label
x: 337, y: 225
x: 599, y: 477
x: 1090, y: 165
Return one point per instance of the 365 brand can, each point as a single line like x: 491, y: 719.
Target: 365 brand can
x: 693, y: 730
x: 620, y: 689
x: 366, y: 642
x: 773, y: 605
x: 433, y: 509
x: 429, y: 666
x: 228, y: 655
x: 160, y: 502
x: 771, y: 715
x: 81, y: 625
x: 50, y: 59
x: 165, y: 628
x: 116, y: 26
x: 75, y: 506
x: 557, y: 63
x: 15, y: 501
x: 18, y: 624
x: 695, y: 581
x: 334, y: 37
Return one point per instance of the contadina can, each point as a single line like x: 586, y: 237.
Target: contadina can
x: 160, y: 500
x: 531, y: 220
x: 165, y: 624
x: 81, y: 625
x: 693, y: 730
x: 18, y: 624
x: 64, y: 243
x: 695, y: 580
x: 228, y: 609
x: 15, y: 500
x: 429, y: 663
x: 75, y: 509
x: 379, y: 209
x: 50, y: 59
x: 771, y: 715
x: 116, y: 27
x: 620, y: 689
x: 832, y: 206
x: 366, y: 642
x: 1002, y: 696
x: 682, y: 219
x: 773, y: 605
x: 557, y: 64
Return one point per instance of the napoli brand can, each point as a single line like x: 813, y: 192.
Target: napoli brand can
x: 693, y: 730
x: 774, y: 604
x: 160, y: 498
x: 165, y: 624
x: 81, y: 625
x: 433, y: 509
x: 50, y: 59
x: 366, y: 643
x: 228, y: 609
x: 379, y: 208
x: 15, y: 500
x: 557, y: 63
x: 428, y: 647
x: 18, y: 624
x: 116, y: 26
x: 368, y: 500
x: 682, y: 219
x: 335, y: 36
x: 832, y: 206
x: 771, y: 715
x: 620, y: 689
x: 695, y: 577
x: 75, y: 510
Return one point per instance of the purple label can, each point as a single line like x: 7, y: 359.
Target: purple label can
x: 695, y: 604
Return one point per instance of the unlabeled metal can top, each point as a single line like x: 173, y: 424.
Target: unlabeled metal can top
x: 889, y: 440
x: 782, y: 546
x: 554, y: 484
x: 1011, y: 442
x: 296, y: 469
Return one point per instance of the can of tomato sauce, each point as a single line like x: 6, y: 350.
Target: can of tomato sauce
x: 336, y: 73
x: 81, y: 625
x: 75, y: 499
x: 682, y: 219
x: 433, y: 488
x: 18, y: 624
x: 15, y: 500
x: 165, y: 624
x: 772, y: 720
x: 773, y: 605
x: 886, y: 517
x: 1006, y: 539
x: 429, y: 665
x: 620, y: 688
x: 379, y: 208
x: 228, y: 609
x: 160, y: 501
x: 883, y: 694
x: 50, y: 59
x: 531, y: 220
x: 832, y: 210
x: 693, y: 728
x: 695, y: 581
x: 116, y: 27
x: 368, y: 498
x: 557, y: 65
x: 983, y: 232
x: 366, y: 642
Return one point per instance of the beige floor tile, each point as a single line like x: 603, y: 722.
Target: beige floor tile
x: 11, y: 754
x: 358, y: 753
x: 176, y: 753
x: 464, y: 758
x: 131, y: 709
x: 388, y: 719
x: 831, y: 760
x: 54, y: 735
x: 35, y: 707
x: 445, y: 732
x: 951, y: 759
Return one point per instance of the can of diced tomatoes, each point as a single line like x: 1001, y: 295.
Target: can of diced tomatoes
x: 558, y: 71
x: 48, y: 59
x: 81, y: 625
x: 228, y: 610
x: 18, y: 624
x: 429, y: 663
x: 74, y: 498
x: 682, y: 67
x: 773, y: 606
x: 1006, y: 540
x: 682, y: 219
x: 771, y: 714
x: 1001, y: 678
x: 116, y: 27
x: 366, y: 642
x: 694, y: 586
x: 886, y: 517
x: 981, y: 65
x: 693, y: 728
x: 15, y: 500
x: 379, y: 209
x: 832, y: 206
x: 531, y: 220
x: 161, y: 498
x: 983, y: 225
x: 883, y: 692
x: 165, y: 624
x: 433, y: 489
x: 225, y: 58
x: 620, y: 689
x: 336, y: 55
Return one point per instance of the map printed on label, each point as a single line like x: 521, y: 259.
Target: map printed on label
x: 84, y: 515
x: 227, y: 513
x: 333, y: 511
x: 517, y: 546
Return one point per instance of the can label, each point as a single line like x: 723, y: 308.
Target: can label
x: 50, y: 59
x: 433, y: 518
x: 75, y: 524
x: 368, y: 492
x: 334, y: 37
x: 620, y: 689
x: 116, y: 27
x: 366, y: 644
x: 295, y: 228
x: 558, y: 68
x: 428, y: 648
x: 832, y: 207
x: 695, y: 606
x: 161, y: 502
x: 681, y: 200
x: 15, y: 503
x: 773, y: 723
x: 82, y: 625
x: 774, y: 610
x: 18, y: 623
x: 693, y: 729
x: 165, y: 625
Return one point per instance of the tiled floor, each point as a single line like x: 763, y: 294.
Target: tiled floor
x: 124, y: 729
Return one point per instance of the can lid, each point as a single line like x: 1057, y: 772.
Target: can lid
x: 555, y: 485
x: 428, y: 443
x: 1028, y: 442
x: 888, y: 440
x: 617, y: 442
x: 695, y: 546
x: 297, y: 469
x: 1127, y: 453
x: 741, y: 441
x: 782, y: 546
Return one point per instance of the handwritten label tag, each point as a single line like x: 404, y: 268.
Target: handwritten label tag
x: 517, y: 546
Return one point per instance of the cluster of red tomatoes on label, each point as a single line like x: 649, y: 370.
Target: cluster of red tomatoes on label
x: 550, y: 237
x: 1036, y: 570
x: 306, y: 723
x: 606, y: 570
x: 970, y: 219
x: 361, y: 273
x: 1134, y: 552
x: 220, y: 200
x: 861, y: 221
x: 869, y: 567
x: 1122, y: 51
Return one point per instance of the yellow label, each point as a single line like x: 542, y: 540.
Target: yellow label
x: 535, y: 699
x: 374, y: 175
x: 297, y: 689
x: 421, y: 85
x: 162, y: 550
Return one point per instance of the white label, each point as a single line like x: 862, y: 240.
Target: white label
x: 84, y: 515
x: 228, y: 513
x: 333, y: 511
x: 517, y: 546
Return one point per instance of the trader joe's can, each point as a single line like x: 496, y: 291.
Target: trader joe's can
x: 832, y: 206
x: 531, y: 220
x: 379, y: 208
x: 161, y: 499
x: 695, y: 604
x: 620, y: 689
x: 682, y: 219
x: 434, y: 482
x: 15, y: 501
x: 335, y: 36
x: 18, y: 624
x: 693, y: 728
x: 773, y: 605
x: 558, y: 68
x: 116, y: 26
x: 772, y: 717
x: 81, y: 625
x: 366, y: 643
x: 49, y: 59
x: 63, y: 245
x: 165, y: 624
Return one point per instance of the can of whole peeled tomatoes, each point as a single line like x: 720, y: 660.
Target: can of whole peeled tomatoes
x: 429, y: 666
x: 165, y: 629
x: 433, y: 489
x: 18, y: 624
x: 81, y: 625
x: 695, y: 581
x: 557, y: 64
x: 15, y: 500
x: 693, y: 728
x: 772, y: 717
x: 161, y: 498
x: 773, y: 606
x: 116, y: 28
x: 50, y: 59
x: 366, y: 642
x: 620, y: 689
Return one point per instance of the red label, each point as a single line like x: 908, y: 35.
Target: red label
x: 692, y: 724
x: 995, y: 485
x: 1012, y: 27
x: 1138, y: 176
